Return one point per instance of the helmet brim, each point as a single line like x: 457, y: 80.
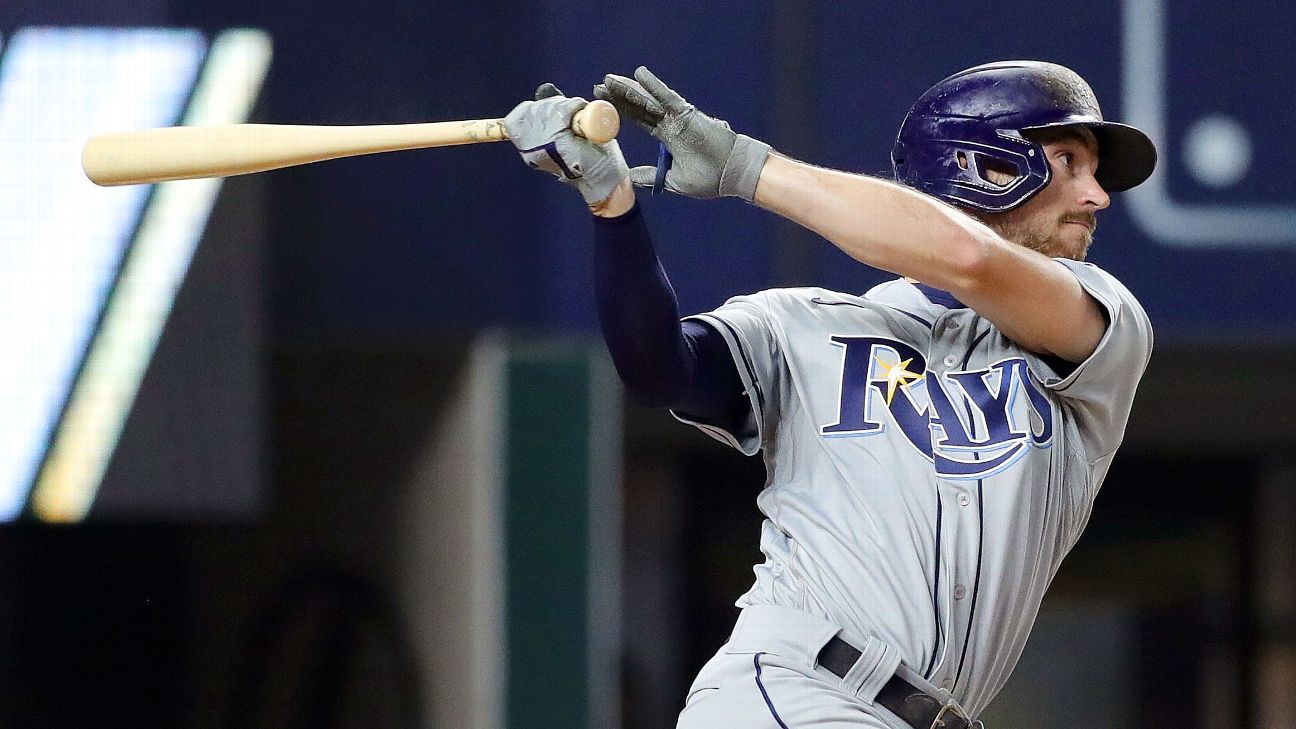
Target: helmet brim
x: 1126, y: 156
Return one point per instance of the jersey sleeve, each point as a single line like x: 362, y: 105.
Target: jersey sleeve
x: 747, y: 328
x: 1100, y: 390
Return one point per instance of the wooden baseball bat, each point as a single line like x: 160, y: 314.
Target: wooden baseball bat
x: 182, y: 153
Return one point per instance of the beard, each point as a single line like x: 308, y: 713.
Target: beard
x: 1045, y: 235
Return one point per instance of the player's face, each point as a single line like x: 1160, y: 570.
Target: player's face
x: 1060, y: 220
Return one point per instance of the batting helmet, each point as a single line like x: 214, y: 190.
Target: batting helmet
x: 977, y: 117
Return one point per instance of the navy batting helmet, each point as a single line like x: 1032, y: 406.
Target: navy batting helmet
x: 975, y: 120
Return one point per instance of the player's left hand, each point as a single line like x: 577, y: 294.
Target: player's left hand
x: 541, y: 130
x: 711, y: 160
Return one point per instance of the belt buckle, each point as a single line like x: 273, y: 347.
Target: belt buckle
x: 952, y: 709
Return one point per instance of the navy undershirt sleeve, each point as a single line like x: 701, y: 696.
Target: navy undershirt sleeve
x: 685, y: 366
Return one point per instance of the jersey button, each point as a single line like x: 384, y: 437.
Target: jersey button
x: 964, y: 499
x: 960, y: 592
x: 954, y: 325
x: 950, y: 360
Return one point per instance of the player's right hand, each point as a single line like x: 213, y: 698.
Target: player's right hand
x: 541, y: 130
x: 711, y: 160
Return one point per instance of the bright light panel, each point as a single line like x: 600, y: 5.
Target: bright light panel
x: 63, y: 238
x: 138, y: 309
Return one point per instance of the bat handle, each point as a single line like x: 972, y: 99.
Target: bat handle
x: 597, y: 122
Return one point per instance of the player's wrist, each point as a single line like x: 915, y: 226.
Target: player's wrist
x: 620, y: 202
x: 742, y: 169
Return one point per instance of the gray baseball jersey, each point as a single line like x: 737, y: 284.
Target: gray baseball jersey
x: 926, y: 475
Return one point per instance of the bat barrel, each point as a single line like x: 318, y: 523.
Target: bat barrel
x: 178, y: 153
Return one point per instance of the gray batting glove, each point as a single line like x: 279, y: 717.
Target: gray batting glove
x: 711, y: 160
x: 541, y: 130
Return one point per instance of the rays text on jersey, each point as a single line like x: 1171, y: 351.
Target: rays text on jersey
x: 970, y: 423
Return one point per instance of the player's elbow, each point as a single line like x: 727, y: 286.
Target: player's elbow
x: 647, y: 387
x: 651, y: 396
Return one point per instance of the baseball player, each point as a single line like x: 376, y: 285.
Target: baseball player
x: 933, y: 446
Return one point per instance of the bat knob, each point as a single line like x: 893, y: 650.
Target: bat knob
x: 597, y: 122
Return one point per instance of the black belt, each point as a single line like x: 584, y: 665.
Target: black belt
x: 916, y: 707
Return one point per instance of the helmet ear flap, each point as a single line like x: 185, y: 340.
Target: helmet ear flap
x: 992, y: 170
x: 967, y: 164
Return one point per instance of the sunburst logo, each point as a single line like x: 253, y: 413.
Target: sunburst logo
x: 897, y: 375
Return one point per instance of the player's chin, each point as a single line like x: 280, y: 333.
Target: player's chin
x: 1073, y: 241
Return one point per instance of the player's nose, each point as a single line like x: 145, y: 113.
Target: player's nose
x: 1091, y: 194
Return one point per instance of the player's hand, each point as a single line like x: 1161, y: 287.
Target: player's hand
x: 711, y: 160
x: 541, y: 130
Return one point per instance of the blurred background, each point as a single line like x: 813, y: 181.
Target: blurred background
x: 339, y: 445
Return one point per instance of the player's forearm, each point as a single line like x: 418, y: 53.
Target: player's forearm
x: 880, y: 223
x: 663, y: 362
x: 637, y: 309
x: 1030, y: 298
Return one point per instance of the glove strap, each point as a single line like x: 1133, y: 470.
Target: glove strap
x: 742, y: 169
